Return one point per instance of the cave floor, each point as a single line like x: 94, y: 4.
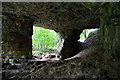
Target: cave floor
x: 81, y: 68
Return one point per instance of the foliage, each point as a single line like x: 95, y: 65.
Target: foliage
x: 85, y: 34
x: 44, y: 39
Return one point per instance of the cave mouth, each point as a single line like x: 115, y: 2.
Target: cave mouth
x: 85, y: 33
x: 45, y: 42
x: 85, y: 45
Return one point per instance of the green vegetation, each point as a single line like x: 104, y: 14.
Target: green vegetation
x: 45, y: 40
x: 85, y: 34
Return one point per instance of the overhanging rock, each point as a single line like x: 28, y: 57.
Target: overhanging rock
x: 19, y: 18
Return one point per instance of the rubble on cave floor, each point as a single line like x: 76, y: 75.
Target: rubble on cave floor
x: 91, y: 67
x: 20, y: 68
x: 46, y: 57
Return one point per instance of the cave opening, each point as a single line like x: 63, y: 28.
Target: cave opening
x: 46, y: 43
x: 85, y: 33
x: 87, y: 39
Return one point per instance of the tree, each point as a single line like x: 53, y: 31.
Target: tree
x: 44, y: 39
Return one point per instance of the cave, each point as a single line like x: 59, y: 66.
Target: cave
x: 97, y: 58
x: 45, y: 43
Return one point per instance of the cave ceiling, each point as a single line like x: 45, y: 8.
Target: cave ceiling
x: 56, y: 15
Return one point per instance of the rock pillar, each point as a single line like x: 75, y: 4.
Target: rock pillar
x: 16, y: 36
x: 71, y: 45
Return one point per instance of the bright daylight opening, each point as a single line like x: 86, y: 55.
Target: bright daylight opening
x: 85, y: 34
x: 45, y: 43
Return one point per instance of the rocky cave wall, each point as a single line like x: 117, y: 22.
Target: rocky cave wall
x: 17, y: 30
x: 16, y: 36
x: 102, y: 65
x: 65, y: 18
x: 110, y: 30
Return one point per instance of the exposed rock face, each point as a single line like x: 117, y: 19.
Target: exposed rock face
x: 71, y: 45
x: 16, y: 37
x: 102, y: 65
x: 90, y: 45
x: 110, y: 30
x: 66, y: 18
x: 58, y: 16
x: 92, y: 38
